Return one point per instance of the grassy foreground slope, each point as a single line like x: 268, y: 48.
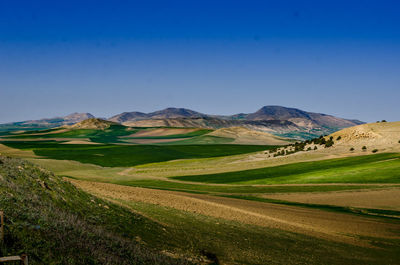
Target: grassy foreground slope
x: 379, y: 168
x: 130, y: 155
x: 55, y: 223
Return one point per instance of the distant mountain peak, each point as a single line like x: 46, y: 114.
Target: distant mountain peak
x: 78, y: 116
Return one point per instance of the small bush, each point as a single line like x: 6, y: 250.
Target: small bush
x: 383, y: 121
x: 375, y: 150
x: 364, y: 148
x: 315, y: 147
x: 339, y: 137
x: 352, y: 149
x: 329, y: 143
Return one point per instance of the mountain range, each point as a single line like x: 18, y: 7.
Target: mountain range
x: 279, y: 120
x: 283, y: 121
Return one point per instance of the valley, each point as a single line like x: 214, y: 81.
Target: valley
x: 223, y: 196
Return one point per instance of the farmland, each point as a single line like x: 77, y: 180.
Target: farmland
x: 221, y: 202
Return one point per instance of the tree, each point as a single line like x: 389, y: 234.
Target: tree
x: 383, y: 121
x: 339, y: 137
x: 329, y: 143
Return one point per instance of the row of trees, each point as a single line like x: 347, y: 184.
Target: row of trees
x: 301, y: 146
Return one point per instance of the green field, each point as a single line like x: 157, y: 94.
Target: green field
x: 175, y: 136
x: 234, y: 189
x: 141, y: 232
x: 45, y: 213
x: 109, y: 155
x: 203, y: 139
x: 109, y: 135
x: 379, y: 168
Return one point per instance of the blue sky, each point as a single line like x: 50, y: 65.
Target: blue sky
x: 220, y: 57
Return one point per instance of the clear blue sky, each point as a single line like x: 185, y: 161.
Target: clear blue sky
x: 220, y: 57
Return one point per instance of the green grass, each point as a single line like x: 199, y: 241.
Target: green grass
x: 204, y: 140
x: 55, y: 223
x: 378, y: 168
x: 174, y: 136
x: 227, y: 189
x: 130, y: 155
x: 109, y: 135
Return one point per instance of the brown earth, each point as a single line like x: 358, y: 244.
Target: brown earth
x: 388, y: 199
x: 329, y: 225
x: 247, y: 136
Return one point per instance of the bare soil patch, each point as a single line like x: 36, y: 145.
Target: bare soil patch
x: 388, y: 199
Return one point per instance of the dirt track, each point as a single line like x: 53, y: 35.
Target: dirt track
x: 329, y: 225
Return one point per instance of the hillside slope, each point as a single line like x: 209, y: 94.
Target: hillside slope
x: 93, y: 123
x: 243, y: 135
x: 384, y: 136
x: 283, y: 121
x: 55, y: 223
x: 46, y: 123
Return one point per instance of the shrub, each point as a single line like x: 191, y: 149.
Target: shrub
x: 383, y: 121
x: 364, y: 148
x: 315, y: 147
x: 339, y: 137
x: 352, y: 149
x: 329, y: 143
x: 375, y: 150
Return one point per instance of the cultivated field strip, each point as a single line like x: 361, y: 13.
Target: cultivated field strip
x: 328, y: 225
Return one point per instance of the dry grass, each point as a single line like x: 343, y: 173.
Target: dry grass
x: 247, y: 136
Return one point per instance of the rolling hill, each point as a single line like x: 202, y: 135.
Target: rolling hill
x: 46, y: 123
x: 53, y: 222
x: 287, y: 122
x: 278, y: 120
x: 93, y: 123
x: 243, y: 135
